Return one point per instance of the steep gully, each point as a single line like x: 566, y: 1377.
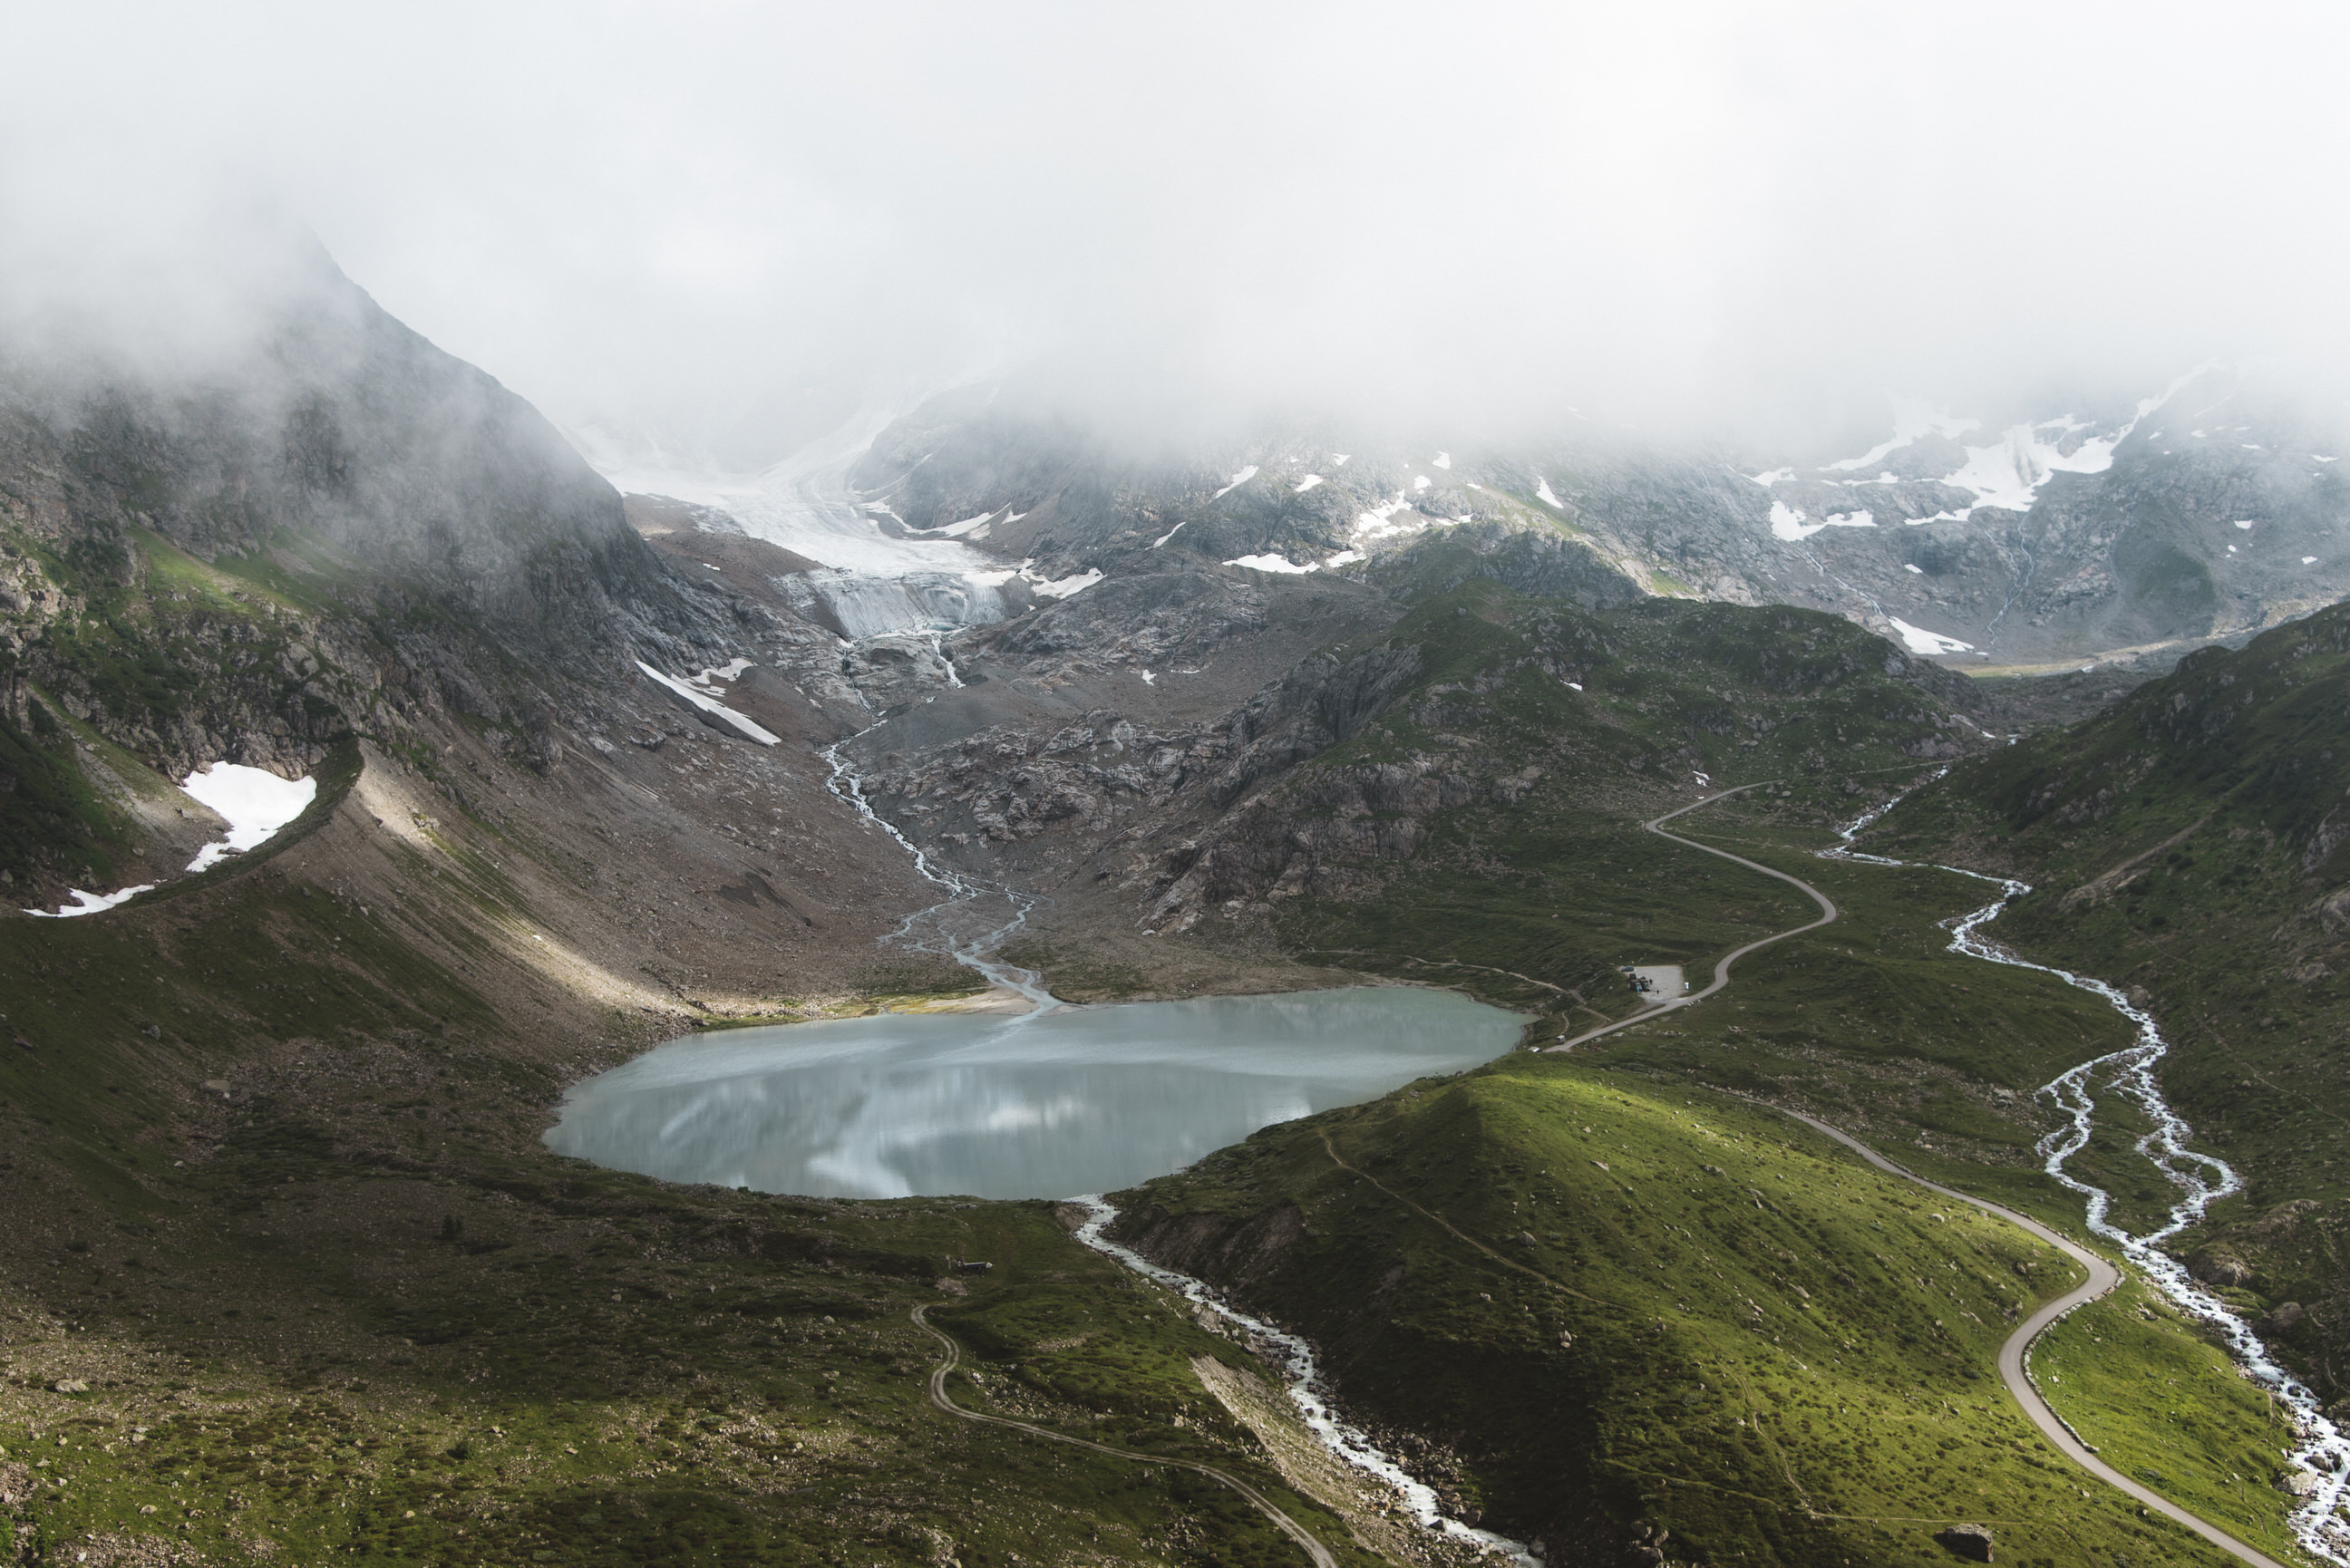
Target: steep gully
x: 2323, y: 1454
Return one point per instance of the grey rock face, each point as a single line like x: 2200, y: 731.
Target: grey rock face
x: 2146, y: 528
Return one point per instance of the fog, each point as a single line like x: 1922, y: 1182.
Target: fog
x: 720, y: 229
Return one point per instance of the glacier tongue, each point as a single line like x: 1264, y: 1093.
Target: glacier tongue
x: 864, y: 606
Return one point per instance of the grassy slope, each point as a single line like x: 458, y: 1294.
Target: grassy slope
x: 1722, y: 1324
x: 349, y: 1305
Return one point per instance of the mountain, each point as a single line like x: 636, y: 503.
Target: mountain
x: 288, y: 1268
x: 2204, y: 510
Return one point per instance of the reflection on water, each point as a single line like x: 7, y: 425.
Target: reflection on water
x: 1077, y: 1100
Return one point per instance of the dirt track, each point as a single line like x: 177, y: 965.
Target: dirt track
x: 945, y: 1401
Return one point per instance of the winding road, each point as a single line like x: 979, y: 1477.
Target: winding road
x: 2102, y: 1276
x: 945, y: 1401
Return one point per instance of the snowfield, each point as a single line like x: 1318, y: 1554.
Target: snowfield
x: 256, y: 802
x: 745, y: 726
x: 1918, y: 639
x: 1792, y: 523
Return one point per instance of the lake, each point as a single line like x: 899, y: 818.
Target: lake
x: 1078, y: 1099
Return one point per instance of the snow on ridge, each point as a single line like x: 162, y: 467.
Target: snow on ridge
x: 750, y: 729
x: 1920, y: 640
x: 255, y: 802
x: 1542, y: 493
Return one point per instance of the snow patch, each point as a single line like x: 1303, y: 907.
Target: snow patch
x: 1243, y: 477
x: 2309, y: 560
x: 1908, y: 567
x: 708, y: 681
x: 256, y: 802
x: 1341, y: 458
x: 707, y: 705
x: 2245, y: 523
x: 1062, y: 588
x: 1270, y: 564
x: 1380, y: 521
x: 1920, y: 640
x: 92, y: 903
x: 968, y: 525
x: 1420, y: 481
x: 1791, y: 523
x: 1444, y: 460
x: 1772, y: 477
x: 1542, y: 494
x: 1308, y: 482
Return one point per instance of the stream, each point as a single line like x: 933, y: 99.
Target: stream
x: 934, y: 930
x: 2322, y: 1452
x: 929, y: 930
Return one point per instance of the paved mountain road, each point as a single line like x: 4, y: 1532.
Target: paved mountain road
x: 2103, y: 1276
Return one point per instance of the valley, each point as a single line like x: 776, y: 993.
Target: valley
x: 980, y: 720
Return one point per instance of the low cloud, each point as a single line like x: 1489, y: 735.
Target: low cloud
x: 721, y: 227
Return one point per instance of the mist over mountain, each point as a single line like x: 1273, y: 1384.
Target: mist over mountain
x: 602, y: 608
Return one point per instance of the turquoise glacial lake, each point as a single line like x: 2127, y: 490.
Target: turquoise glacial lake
x: 1067, y: 1101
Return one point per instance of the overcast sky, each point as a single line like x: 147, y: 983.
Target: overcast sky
x: 729, y: 222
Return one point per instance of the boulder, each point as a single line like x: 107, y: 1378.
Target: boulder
x: 1970, y: 1543
x: 2281, y: 1321
x: 2218, y: 1266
